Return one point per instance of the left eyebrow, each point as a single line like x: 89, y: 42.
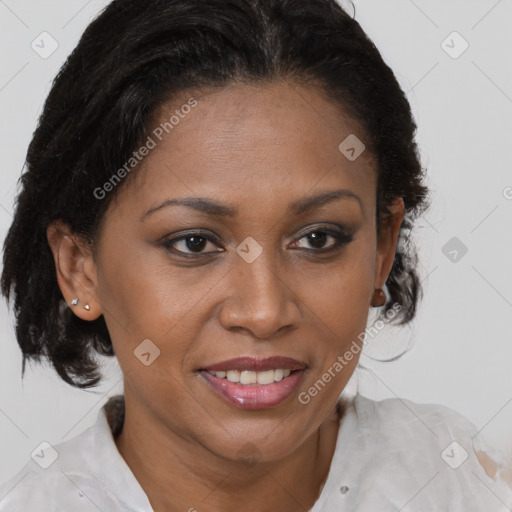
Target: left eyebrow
x: 308, y: 203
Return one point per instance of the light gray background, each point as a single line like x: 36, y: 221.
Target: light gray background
x: 462, y: 349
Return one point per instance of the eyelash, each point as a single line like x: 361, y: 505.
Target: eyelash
x: 341, y: 238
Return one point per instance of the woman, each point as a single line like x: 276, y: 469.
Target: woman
x: 217, y: 192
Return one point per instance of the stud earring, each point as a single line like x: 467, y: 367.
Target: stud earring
x: 87, y: 307
x: 74, y: 302
x: 379, y: 298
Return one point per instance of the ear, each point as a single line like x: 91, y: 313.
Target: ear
x: 386, y: 241
x: 75, y: 269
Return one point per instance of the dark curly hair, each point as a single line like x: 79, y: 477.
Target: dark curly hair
x: 132, y: 58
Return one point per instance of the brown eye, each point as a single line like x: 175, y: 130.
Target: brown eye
x: 192, y: 244
x: 195, y: 243
x: 324, y: 240
x: 317, y: 239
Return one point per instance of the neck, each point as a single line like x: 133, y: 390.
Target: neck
x: 179, y: 474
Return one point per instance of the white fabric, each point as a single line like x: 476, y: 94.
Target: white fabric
x: 387, y: 459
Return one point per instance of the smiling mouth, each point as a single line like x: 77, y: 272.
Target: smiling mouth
x: 252, y: 383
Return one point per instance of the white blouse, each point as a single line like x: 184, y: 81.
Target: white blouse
x: 391, y: 455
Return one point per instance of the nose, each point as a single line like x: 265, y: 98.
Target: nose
x: 259, y: 301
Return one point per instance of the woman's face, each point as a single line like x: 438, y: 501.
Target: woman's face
x: 266, y: 271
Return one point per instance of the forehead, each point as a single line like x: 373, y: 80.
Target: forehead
x: 272, y: 141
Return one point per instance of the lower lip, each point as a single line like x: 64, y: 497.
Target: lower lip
x: 254, y: 396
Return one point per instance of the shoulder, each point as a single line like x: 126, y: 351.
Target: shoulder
x: 33, y: 490
x: 414, y: 431
x: 400, y: 449
x: 403, y: 414
x: 59, y: 477
x: 420, y: 428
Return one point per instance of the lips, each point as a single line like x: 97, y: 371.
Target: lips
x: 249, y: 383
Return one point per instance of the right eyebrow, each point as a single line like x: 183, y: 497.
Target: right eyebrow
x: 197, y: 203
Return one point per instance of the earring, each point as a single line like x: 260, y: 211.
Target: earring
x: 379, y: 298
x: 74, y: 302
x: 87, y: 307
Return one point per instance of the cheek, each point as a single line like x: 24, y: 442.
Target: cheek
x: 339, y: 301
x: 142, y: 292
x: 340, y: 294
x: 147, y: 298
x: 340, y: 315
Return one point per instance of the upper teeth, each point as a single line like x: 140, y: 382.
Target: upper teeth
x: 249, y: 377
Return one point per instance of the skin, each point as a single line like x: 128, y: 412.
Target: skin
x: 256, y: 148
